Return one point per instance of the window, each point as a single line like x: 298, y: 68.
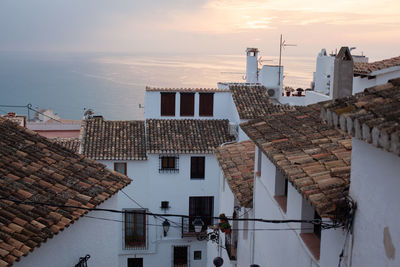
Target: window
x: 135, y: 262
x: 310, y: 233
x: 167, y: 104
x: 197, y: 255
x: 281, y: 190
x: 197, y: 167
x: 206, y: 104
x: 203, y: 208
x: 120, y: 167
x: 169, y: 164
x: 180, y: 256
x: 187, y: 104
x: 135, y: 228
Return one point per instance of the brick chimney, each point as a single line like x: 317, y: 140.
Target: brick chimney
x: 343, y: 74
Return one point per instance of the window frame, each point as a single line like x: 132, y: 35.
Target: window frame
x: 162, y: 169
x: 125, y: 167
x: 132, y: 244
x: 205, y: 215
x: 200, y: 172
x: 167, y: 109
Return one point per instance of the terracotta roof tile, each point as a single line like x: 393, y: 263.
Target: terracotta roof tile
x: 186, y: 136
x: 31, y: 166
x: 237, y: 163
x: 367, y: 68
x: 252, y: 101
x: 306, y: 152
x: 372, y: 116
x: 70, y: 143
x: 114, y: 140
x: 206, y: 90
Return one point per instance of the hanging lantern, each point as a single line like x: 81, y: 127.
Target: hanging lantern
x: 218, y: 261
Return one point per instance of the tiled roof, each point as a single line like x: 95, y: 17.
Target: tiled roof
x: 372, y: 116
x: 252, y: 101
x: 190, y: 90
x: 114, y: 140
x: 70, y: 143
x: 237, y: 163
x: 186, y: 136
x: 366, y: 68
x: 35, y: 169
x: 313, y: 156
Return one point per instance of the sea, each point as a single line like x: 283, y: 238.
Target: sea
x: 113, y: 84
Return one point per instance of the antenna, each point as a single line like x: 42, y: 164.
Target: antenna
x: 282, y: 45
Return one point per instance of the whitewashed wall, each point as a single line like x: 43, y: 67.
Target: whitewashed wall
x: 375, y: 184
x: 149, y: 188
x: 226, y: 205
x: 285, y: 247
x: 95, y: 237
x: 223, y: 108
x: 359, y: 84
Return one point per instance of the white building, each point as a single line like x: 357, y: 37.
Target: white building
x: 35, y: 170
x: 171, y: 154
x: 306, y: 170
x: 236, y: 201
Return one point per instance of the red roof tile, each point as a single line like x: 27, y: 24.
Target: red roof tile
x: 237, y: 163
x: 35, y: 169
x: 367, y: 68
x: 313, y: 156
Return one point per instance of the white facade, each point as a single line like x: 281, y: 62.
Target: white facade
x: 374, y: 186
x: 96, y: 237
x: 271, y: 77
x: 375, y: 78
x: 148, y: 188
x: 227, y: 205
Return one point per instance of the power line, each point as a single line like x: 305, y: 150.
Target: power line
x: 274, y: 221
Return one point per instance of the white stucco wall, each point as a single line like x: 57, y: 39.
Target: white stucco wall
x: 227, y: 204
x: 359, y: 84
x: 149, y: 188
x: 375, y: 187
x: 223, y: 108
x: 98, y: 238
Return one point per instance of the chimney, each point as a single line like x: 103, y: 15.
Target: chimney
x: 343, y: 74
x: 252, y: 65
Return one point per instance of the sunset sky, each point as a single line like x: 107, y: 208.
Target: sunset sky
x: 201, y: 26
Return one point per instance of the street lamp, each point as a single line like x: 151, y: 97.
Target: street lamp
x: 198, y: 225
x: 166, y: 226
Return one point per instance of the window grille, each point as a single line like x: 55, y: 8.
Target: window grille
x: 168, y: 164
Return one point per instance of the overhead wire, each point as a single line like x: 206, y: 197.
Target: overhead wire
x: 274, y: 221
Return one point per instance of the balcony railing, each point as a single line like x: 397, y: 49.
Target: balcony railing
x: 188, y: 228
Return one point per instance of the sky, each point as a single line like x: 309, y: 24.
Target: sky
x: 201, y: 26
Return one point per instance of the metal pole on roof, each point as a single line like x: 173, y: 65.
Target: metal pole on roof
x: 282, y: 44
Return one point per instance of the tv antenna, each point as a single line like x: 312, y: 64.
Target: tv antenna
x: 282, y: 45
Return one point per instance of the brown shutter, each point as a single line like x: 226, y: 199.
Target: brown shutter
x: 167, y: 104
x: 206, y: 104
x: 187, y: 104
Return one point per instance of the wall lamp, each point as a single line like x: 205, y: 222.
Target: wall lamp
x: 166, y: 226
x: 198, y: 225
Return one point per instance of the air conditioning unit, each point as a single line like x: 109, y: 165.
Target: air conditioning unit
x: 273, y: 92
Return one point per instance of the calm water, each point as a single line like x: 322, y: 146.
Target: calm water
x: 114, y: 84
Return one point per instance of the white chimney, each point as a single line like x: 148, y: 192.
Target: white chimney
x: 252, y: 65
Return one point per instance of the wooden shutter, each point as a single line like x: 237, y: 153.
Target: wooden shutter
x: 187, y: 104
x: 167, y: 104
x: 197, y: 167
x: 206, y: 104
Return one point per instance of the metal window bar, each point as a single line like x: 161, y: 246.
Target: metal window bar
x: 83, y: 261
x: 175, y: 169
x: 129, y: 226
